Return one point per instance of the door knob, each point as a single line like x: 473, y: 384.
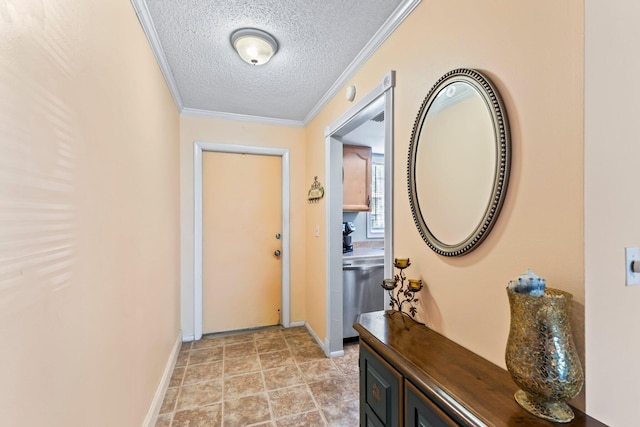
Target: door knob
x: 278, y: 235
x: 277, y: 252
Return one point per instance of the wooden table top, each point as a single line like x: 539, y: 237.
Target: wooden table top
x: 474, y: 389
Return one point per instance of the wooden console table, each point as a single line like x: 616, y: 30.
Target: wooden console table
x: 413, y: 376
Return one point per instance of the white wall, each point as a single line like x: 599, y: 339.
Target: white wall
x: 612, y: 209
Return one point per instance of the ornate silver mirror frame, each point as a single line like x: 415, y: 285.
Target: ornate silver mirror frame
x: 446, y: 166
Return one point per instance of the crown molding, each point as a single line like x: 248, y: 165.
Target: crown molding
x: 399, y: 15
x: 241, y: 117
x: 142, y: 11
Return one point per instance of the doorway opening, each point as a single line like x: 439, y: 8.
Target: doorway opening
x: 379, y: 99
x: 199, y: 148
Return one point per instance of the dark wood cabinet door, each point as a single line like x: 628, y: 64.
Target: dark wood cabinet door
x: 380, y: 389
x: 370, y: 419
x: 422, y: 412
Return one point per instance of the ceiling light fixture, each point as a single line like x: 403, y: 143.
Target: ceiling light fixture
x: 255, y: 47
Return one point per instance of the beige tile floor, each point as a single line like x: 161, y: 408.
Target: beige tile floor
x: 267, y: 377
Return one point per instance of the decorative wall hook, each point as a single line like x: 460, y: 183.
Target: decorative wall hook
x: 316, y: 192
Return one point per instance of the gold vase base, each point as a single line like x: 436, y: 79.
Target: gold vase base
x: 558, y: 412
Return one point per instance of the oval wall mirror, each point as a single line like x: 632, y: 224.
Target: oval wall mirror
x: 459, y: 160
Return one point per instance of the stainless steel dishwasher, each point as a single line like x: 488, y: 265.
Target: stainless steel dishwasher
x: 361, y: 290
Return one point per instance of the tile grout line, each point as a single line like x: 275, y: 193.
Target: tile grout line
x: 224, y: 364
x: 264, y: 383
x: 179, y: 393
x: 306, y: 383
x: 289, y: 339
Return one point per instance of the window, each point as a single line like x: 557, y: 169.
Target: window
x: 375, y: 218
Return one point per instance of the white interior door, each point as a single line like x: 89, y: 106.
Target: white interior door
x: 241, y: 222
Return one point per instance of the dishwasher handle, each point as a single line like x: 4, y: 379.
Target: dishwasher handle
x: 361, y: 266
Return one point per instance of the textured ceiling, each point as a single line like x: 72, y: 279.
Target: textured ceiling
x: 319, y: 41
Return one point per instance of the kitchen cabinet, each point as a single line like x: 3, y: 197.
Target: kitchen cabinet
x: 411, y: 375
x: 356, y: 178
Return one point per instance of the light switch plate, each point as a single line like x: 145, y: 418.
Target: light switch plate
x: 632, y: 254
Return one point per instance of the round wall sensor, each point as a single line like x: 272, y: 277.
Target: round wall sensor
x: 351, y: 93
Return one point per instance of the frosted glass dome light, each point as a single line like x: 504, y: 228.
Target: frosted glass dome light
x: 254, y: 46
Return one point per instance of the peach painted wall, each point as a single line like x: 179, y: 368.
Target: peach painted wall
x: 316, y: 246
x: 533, y: 52
x: 203, y: 129
x: 89, y: 208
x: 612, y: 156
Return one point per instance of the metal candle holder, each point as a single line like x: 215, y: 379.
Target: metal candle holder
x: 402, y: 295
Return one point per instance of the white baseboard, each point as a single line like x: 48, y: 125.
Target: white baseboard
x: 324, y: 346
x: 296, y: 324
x: 156, y: 404
x: 333, y: 353
x: 188, y: 338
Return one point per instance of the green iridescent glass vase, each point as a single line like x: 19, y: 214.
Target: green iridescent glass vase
x: 541, y: 355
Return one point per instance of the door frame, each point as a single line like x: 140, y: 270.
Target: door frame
x: 198, y: 148
x: 351, y: 119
